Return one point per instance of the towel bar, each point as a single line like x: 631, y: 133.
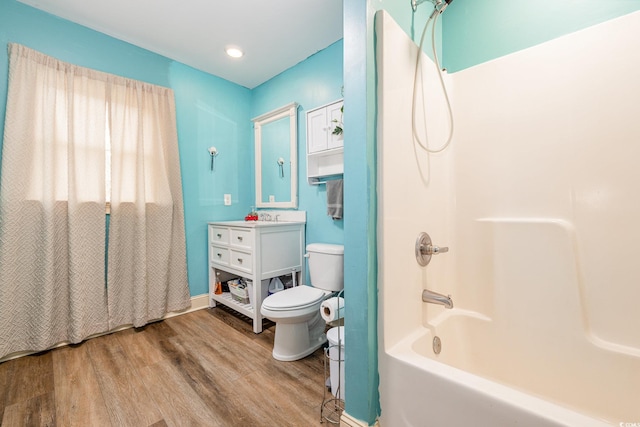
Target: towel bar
x: 324, y: 179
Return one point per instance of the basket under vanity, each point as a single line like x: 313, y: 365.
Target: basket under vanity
x: 255, y: 250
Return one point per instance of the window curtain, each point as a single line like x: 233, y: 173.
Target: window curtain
x: 52, y: 198
x: 59, y: 119
x: 146, y: 272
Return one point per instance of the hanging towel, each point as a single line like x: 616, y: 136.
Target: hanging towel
x: 334, y: 198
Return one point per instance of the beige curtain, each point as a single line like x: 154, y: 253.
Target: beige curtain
x: 147, y: 274
x: 52, y: 197
x: 60, y: 122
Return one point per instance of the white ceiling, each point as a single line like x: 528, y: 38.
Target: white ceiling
x: 274, y: 34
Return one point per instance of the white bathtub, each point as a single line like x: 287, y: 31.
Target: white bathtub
x: 538, y: 203
x: 471, y: 383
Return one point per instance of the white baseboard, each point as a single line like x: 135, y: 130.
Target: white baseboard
x: 198, y: 302
x: 347, y: 420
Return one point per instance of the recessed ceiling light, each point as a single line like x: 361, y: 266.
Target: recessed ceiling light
x: 234, y: 52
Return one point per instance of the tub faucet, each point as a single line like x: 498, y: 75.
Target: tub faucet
x: 436, y: 298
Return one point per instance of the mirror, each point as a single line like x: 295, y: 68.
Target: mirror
x: 276, y: 144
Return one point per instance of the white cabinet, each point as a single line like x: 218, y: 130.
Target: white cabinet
x: 321, y: 124
x: 324, y: 147
x: 255, y: 250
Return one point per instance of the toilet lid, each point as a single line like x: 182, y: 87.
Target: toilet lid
x: 296, y: 297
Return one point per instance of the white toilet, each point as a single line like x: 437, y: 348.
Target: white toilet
x: 296, y: 311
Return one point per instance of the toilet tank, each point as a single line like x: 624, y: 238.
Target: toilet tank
x: 326, y: 266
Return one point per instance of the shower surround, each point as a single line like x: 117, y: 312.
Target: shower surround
x: 537, y: 200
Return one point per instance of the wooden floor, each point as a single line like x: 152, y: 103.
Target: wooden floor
x: 205, y: 368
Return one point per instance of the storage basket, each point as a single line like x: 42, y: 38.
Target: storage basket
x: 238, y: 292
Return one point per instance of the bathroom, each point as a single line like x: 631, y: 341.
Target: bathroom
x: 466, y: 41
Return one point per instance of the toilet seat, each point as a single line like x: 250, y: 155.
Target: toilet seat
x: 294, y: 298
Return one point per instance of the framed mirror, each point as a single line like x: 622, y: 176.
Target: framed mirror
x: 276, y: 150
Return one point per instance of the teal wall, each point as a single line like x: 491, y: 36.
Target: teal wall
x: 478, y: 31
x: 313, y: 82
x: 361, y: 358
x: 210, y: 111
x: 473, y: 31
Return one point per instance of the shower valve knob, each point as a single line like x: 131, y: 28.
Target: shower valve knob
x: 424, y: 249
x: 433, y: 250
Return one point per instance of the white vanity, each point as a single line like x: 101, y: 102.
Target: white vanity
x: 256, y: 250
x: 275, y: 245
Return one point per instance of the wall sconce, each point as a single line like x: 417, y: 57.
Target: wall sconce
x: 213, y: 152
x: 281, y: 166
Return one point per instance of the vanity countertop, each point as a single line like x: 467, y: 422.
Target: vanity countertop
x: 283, y: 217
x: 254, y: 224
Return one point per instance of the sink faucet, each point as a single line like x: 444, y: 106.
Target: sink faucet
x: 436, y: 298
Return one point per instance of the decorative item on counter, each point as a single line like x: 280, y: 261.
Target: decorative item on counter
x: 251, y: 216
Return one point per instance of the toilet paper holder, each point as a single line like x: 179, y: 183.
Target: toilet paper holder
x: 332, y: 309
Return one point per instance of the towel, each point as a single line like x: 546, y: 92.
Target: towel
x: 334, y: 198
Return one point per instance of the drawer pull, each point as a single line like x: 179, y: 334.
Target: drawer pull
x: 219, y: 255
x: 240, y: 238
x: 240, y: 260
x: 219, y: 236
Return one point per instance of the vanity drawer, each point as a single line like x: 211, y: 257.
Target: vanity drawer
x: 219, y: 255
x: 241, y: 261
x: 219, y: 235
x: 242, y: 238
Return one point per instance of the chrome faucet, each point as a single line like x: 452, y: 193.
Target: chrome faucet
x: 436, y: 298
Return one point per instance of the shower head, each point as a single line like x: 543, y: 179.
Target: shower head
x: 444, y: 6
x: 438, y: 5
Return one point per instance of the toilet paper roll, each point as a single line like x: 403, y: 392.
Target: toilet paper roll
x: 332, y: 309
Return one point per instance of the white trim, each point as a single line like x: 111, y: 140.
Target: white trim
x: 290, y: 110
x: 347, y: 420
x: 197, y: 303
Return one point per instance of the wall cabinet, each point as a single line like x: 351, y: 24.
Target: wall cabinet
x: 254, y: 250
x: 325, y: 155
x: 321, y: 122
